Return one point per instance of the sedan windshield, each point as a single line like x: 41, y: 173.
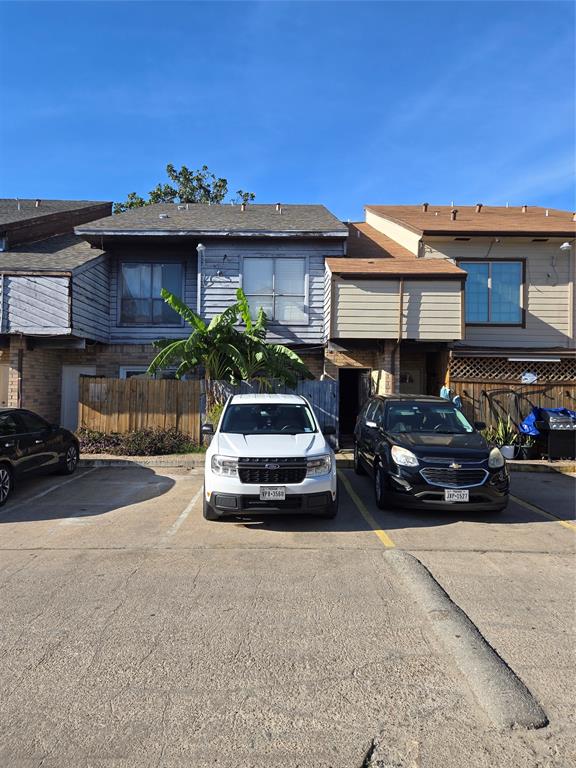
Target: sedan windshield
x: 437, y: 418
x: 268, y: 419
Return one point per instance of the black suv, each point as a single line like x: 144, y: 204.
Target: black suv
x: 424, y: 453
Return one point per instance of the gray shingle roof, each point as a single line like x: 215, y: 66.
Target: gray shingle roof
x: 219, y: 220
x: 62, y: 253
x: 9, y: 213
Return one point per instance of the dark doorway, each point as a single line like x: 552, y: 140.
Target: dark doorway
x: 354, y: 390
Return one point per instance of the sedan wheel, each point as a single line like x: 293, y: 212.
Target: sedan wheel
x: 70, y: 462
x: 5, y: 484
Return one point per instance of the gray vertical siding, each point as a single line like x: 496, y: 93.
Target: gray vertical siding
x: 36, y: 305
x: 218, y: 292
x: 91, y: 300
x: 133, y: 334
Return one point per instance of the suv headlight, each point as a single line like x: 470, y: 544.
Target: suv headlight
x: 224, y: 465
x: 495, y: 459
x: 319, y: 465
x: 403, y: 457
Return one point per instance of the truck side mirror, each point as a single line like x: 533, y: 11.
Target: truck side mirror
x: 207, y: 429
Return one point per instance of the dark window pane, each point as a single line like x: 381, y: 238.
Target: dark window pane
x: 476, y: 292
x: 505, y: 295
x: 9, y: 424
x: 136, y: 311
x: 172, y: 278
x: 163, y: 314
x: 32, y: 422
x: 136, y: 280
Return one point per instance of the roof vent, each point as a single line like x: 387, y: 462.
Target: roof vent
x: 574, y: 217
x: 453, y: 214
x: 547, y: 212
x: 478, y: 207
x: 279, y: 207
x: 37, y: 203
x: 425, y: 207
x: 242, y: 206
x: 163, y: 216
x: 524, y: 208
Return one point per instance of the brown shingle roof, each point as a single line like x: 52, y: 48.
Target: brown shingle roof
x: 492, y: 220
x: 62, y: 253
x: 372, y: 253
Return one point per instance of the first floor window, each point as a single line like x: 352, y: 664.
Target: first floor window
x: 140, y: 300
x: 493, y: 292
x: 278, y: 286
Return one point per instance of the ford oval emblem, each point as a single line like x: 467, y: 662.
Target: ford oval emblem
x: 272, y: 466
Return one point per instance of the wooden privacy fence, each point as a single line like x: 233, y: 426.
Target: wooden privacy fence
x: 123, y: 405
x: 487, y: 401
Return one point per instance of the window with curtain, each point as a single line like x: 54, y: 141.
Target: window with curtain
x: 140, y: 300
x: 278, y: 286
x: 493, y: 292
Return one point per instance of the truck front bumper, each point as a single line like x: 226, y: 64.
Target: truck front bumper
x: 231, y: 504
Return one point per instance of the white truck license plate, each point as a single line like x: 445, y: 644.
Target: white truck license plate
x: 273, y: 493
x: 451, y: 494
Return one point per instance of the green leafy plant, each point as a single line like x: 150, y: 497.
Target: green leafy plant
x: 185, y: 186
x: 225, y: 352
x: 505, y: 433
x: 141, y: 442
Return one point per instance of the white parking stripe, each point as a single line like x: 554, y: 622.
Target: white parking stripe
x: 180, y: 519
x: 11, y: 507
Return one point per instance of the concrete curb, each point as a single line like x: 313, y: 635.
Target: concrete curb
x: 502, y: 695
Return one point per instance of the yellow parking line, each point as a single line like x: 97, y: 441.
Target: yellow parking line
x: 382, y: 535
x: 539, y: 511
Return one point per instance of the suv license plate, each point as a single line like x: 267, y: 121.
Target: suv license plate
x: 450, y: 494
x: 273, y: 493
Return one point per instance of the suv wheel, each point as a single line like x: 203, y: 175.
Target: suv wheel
x: 380, y: 487
x: 69, y: 463
x: 6, y: 483
x: 358, y: 468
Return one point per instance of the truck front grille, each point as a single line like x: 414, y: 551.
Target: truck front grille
x: 271, y: 471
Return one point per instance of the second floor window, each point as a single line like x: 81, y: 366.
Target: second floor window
x: 140, y: 300
x: 494, y: 292
x: 278, y: 286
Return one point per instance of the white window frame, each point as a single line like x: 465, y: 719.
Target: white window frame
x: 489, y: 323
x: 302, y: 257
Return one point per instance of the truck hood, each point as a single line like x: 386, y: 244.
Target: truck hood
x: 272, y: 446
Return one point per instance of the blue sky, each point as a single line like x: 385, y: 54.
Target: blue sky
x: 343, y: 103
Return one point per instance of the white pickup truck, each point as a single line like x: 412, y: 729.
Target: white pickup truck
x: 268, y: 455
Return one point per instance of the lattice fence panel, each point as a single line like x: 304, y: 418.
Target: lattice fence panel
x: 500, y: 369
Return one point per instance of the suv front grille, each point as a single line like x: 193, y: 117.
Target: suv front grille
x: 273, y: 471
x: 454, y: 478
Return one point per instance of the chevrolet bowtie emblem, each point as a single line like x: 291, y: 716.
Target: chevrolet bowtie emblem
x: 455, y: 466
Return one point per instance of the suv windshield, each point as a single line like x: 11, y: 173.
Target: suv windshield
x: 439, y: 418
x: 268, y: 419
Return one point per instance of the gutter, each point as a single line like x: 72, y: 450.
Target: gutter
x: 204, y: 233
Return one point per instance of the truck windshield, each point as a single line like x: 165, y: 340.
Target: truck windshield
x: 268, y: 419
x: 426, y: 417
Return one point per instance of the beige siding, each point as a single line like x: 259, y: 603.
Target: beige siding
x: 369, y: 309
x: 548, y: 294
x: 403, y: 236
x: 432, y: 310
x: 365, y: 309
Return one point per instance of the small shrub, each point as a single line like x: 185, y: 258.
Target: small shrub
x: 141, y: 442
x: 213, y: 414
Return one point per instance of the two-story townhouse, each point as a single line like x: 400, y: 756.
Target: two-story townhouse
x: 44, y: 296
x: 203, y: 253
x: 499, y: 320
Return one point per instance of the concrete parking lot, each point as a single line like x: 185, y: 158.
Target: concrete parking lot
x: 134, y: 633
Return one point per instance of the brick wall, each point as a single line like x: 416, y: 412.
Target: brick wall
x: 34, y: 379
x: 382, y: 358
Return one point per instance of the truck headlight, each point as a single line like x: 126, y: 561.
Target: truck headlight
x: 224, y: 465
x: 403, y: 457
x: 495, y: 459
x: 319, y: 465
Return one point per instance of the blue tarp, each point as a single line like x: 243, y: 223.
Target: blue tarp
x: 528, y: 426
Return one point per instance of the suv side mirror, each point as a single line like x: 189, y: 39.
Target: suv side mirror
x: 479, y: 425
x: 329, y: 429
x: 207, y: 429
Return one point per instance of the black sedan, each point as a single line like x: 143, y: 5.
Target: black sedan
x: 29, y: 445
x: 424, y: 453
